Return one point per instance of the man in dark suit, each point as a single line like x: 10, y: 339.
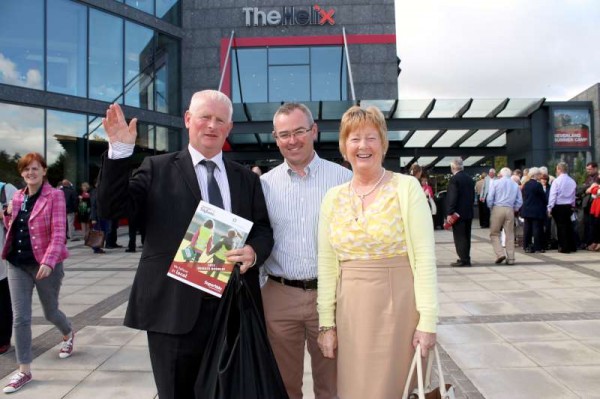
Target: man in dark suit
x: 460, y: 197
x: 534, y: 212
x: 164, y: 192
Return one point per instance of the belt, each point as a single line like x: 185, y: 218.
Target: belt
x: 306, y: 285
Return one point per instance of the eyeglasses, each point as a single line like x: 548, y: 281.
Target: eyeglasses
x: 298, y: 133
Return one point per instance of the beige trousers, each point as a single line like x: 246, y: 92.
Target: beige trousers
x: 292, y: 320
x: 503, y: 217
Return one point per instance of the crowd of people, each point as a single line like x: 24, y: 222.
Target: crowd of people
x: 539, y: 211
x: 340, y: 261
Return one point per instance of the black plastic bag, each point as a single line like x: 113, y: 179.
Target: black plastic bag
x: 239, y: 361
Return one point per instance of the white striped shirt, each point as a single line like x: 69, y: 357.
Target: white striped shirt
x: 294, y: 203
x: 220, y: 176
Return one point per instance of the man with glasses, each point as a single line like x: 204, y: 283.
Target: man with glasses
x: 293, y: 192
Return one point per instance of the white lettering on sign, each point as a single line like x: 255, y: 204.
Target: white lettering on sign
x: 315, y: 15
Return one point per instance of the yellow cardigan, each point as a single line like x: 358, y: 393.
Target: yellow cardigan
x: 420, y: 244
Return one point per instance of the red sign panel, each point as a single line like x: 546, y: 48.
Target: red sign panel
x: 572, y: 136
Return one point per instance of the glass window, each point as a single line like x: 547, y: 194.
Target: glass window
x: 329, y: 81
x: 167, y: 140
x: 139, y: 56
x: 97, y: 144
x: 106, y: 57
x: 289, y: 83
x: 66, y: 152
x: 168, y: 11
x: 21, y: 131
x: 67, y: 39
x: 22, y: 43
x: 288, y: 56
x: 167, y: 75
x: 289, y: 74
x: 251, y: 65
x: 144, y: 5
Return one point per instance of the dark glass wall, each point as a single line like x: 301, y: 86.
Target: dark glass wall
x: 22, y: 43
x: 72, y: 143
x: 65, y: 47
x: 66, y: 42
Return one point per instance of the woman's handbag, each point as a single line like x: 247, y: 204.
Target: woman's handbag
x: 239, y: 361
x: 432, y: 205
x: 95, y: 239
x: 424, y: 390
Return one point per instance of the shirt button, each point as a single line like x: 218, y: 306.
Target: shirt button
x: 19, y: 251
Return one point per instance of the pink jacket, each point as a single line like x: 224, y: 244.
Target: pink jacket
x: 47, y: 226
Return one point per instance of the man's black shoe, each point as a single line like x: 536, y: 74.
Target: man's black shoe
x: 130, y: 250
x: 460, y: 263
x: 528, y: 250
x: 500, y: 259
x: 113, y: 246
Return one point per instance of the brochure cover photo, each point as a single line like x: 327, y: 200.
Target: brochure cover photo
x: 200, y: 260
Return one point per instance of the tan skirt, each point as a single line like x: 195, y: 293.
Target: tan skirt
x: 376, y: 318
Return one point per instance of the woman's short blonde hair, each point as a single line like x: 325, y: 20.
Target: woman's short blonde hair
x: 356, y: 118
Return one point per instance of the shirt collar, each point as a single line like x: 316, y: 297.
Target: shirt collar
x: 197, y: 157
x: 310, y: 169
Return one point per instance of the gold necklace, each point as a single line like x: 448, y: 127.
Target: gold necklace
x: 363, y: 196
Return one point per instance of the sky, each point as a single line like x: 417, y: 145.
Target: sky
x: 497, y: 48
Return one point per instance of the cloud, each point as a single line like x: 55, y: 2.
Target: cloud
x: 9, y: 74
x: 509, y: 48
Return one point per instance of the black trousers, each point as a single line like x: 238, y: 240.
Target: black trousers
x: 6, y: 315
x: 461, y: 230
x: 533, y: 228
x: 176, y: 358
x: 111, y: 238
x: 564, y: 226
x: 133, y: 229
x: 484, y: 214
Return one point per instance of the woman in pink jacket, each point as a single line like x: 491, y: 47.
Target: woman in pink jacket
x: 35, y: 249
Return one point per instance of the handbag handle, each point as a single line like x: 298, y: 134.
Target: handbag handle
x: 417, y: 363
x: 442, y: 381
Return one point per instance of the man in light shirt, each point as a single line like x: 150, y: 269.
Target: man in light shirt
x: 484, y: 215
x: 293, y: 192
x: 560, y: 206
x: 504, y: 199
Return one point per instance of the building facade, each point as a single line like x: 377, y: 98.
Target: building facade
x: 63, y: 61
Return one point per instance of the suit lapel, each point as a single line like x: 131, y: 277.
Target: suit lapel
x: 235, y: 184
x: 183, y: 162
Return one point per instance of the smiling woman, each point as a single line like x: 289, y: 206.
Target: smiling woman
x: 35, y: 249
x: 376, y: 238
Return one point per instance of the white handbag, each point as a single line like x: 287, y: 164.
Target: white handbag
x: 424, y: 390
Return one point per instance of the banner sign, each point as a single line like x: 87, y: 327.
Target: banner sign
x: 571, y: 128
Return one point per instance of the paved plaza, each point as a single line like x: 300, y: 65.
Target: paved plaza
x: 531, y: 330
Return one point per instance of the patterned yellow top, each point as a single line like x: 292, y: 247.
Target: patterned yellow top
x: 376, y: 233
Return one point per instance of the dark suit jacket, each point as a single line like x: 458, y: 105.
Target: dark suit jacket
x: 534, y: 200
x: 461, y: 195
x: 164, y: 193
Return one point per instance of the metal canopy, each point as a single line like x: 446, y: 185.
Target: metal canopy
x: 429, y: 132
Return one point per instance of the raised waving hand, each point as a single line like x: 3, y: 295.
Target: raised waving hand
x: 116, y: 126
